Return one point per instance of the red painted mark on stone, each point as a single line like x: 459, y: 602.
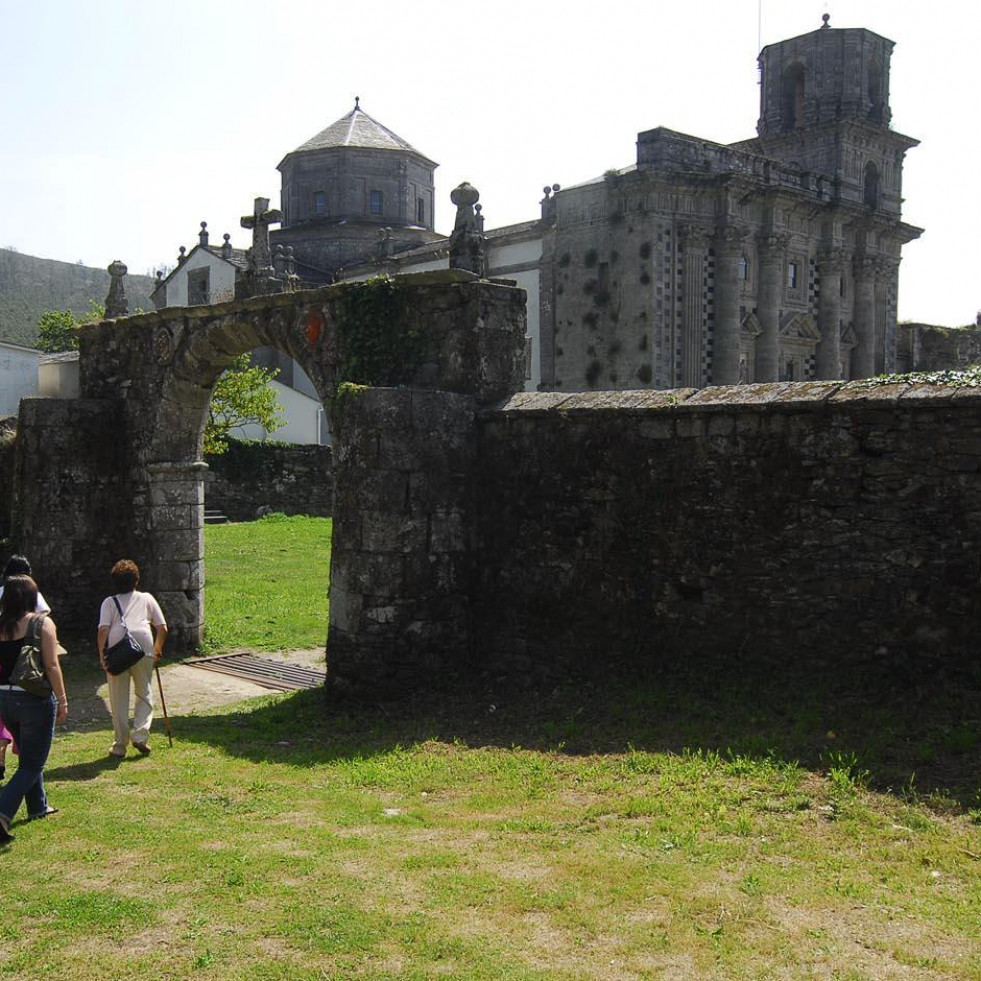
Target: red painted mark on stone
x: 314, y: 325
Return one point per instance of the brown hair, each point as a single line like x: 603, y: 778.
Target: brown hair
x: 125, y: 575
x: 19, y: 598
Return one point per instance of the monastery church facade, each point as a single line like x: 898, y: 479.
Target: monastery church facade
x: 775, y: 258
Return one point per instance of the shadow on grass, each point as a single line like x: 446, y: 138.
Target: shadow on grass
x: 921, y: 738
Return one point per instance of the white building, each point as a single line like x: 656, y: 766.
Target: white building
x: 207, y: 274
x: 18, y: 375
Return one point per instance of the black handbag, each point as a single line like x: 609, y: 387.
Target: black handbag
x: 28, y: 670
x: 125, y: 652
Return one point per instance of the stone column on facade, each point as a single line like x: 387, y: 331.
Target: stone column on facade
x: 694, y: 242
x: 830, y: 263
x: 886, y: 274
x: 772, y: 258
x: 725, y: 335
x: 174, y: 569
x: 864, y: 355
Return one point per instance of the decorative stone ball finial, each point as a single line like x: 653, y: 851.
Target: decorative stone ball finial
x: 357, y: 102
x: 116, y: 305
x: 203, y: 234
x: 464, y: 196
x: 181, y: 255
x: 825, y: 18
x: 466, y: 241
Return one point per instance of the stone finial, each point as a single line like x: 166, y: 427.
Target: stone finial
x: 548, y: 202
x: 291, y: 280
x: 203, y: 234
x: 226, y: 246
x: 116, y: 305
x: 478, y: 209
x: 181, y: 255
x: 824, y: 19
x: 466, y: 240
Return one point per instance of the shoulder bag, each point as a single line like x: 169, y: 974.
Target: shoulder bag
x: 125, y: 652
x: 28, y: 670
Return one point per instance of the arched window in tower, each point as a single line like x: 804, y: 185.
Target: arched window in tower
x: 875, y: 91
x: 871, y: 185
x: 793, y: 97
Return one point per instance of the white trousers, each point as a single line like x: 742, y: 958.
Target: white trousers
x: 141, y: 674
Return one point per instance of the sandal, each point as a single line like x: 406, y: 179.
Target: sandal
x: 45, y: 813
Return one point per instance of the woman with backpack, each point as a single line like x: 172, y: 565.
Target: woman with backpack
x: 30, y: 718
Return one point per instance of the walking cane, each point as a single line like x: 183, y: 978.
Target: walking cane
x: 163, y: 704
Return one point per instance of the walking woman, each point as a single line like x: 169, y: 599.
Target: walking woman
x: 30, y: 718
x: 139, y: 611
x: 17, y: 565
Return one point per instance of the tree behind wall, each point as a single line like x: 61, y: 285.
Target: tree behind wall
x: 241, y: 397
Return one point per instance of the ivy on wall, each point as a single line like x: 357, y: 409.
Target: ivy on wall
x: 381, y: 347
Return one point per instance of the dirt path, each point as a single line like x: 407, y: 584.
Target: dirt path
x: 187, y: 689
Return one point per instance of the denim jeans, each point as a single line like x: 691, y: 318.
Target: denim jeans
x: 31, y: 721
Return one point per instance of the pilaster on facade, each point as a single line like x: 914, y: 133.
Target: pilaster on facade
x: 830, y: 267
x: 726, y: 333
x: 772, y: 253
x: 886, y: 271
x: 864, y: 357
x: 694, y: 249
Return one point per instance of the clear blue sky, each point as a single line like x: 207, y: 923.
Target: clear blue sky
x: 125, y: 124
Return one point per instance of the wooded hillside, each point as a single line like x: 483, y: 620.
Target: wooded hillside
x: 29, y: 286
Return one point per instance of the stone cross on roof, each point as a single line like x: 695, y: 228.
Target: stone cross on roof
x: 260, y: 259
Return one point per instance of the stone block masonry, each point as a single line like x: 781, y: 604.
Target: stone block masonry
x: 780, y: 521
x: 272, y: 476
x: 71, y: 503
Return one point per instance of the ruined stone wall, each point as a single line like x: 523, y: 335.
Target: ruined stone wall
x: 272, y: 476
x: 784, y: 521
x: 925, y: 347
x: 72, y: 503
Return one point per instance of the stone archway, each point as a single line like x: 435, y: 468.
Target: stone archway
x: 401, y: 365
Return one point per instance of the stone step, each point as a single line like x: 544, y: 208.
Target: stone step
x: 215, y: 518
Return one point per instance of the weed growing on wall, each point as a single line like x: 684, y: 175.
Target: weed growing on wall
x: 969, y: 377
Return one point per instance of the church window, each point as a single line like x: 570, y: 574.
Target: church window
x: 319, y: 203
x: 793, y: 275
x: 875, y: 91
x: 790, y: 372
x: 198, y: 287
x: 743, y: 268
x: 871, y: 185
x: 421, y: 210
x: 793, y: 97
x: 375, y: 202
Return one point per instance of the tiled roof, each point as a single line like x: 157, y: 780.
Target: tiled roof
x: 357, y: 129
x: 237, y: 257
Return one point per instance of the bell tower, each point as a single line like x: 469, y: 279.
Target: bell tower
x: 824, y: 107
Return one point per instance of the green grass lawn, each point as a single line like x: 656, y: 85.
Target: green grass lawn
x: 688, y: 826
x: 266, y: 584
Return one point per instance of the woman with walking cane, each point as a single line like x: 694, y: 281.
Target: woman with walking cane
x: 138, y: 615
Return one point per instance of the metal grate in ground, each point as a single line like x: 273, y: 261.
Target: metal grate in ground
x: 279, y: 675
